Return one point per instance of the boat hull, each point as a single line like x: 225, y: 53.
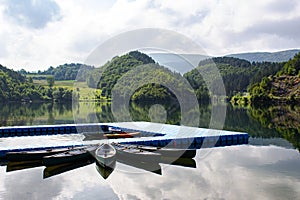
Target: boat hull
x: 33, y: 155
x: 70, y: 156
x: 132, y: 153
x: 105, y: 155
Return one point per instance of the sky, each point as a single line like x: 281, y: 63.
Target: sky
x: 37, y: 34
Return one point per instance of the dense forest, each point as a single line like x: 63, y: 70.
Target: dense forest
x: 237, y: 74
x: 16, y: 87
x: 115, y: 69
x: 262, y: 80
x: 63, y: 72
x: 282, y: 87
x: 144, y: 77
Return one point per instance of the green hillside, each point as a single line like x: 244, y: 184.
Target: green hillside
x: 116, y: 68
x: 137, y: 75
x: 16, y: 87
x: 282, y: 87
x: 237, y: 74
x: 70, y: 71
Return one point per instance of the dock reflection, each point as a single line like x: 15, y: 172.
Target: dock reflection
x: 153, y: 166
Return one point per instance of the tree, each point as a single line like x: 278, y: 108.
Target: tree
x: 91, y: 82
x: 50, y: 81
x: 30, y: 80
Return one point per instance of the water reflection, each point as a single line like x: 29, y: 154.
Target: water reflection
x: 284, y: 119
x: 17, y: 114
x: 53, y: 170
x: 71, y: 159
x: 242, y: 172
x: 271, y: 122
x: 82, y: 183
x: 233, y: 172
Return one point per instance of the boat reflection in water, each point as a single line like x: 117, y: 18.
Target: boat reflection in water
x: 105, y: 155
x: 20, y: 165
x: 65, y: 167
x: 150, y: 161
x: 105, y: 171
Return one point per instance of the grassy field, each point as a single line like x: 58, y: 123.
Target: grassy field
x: 86, y: 93
x: 65, y: 84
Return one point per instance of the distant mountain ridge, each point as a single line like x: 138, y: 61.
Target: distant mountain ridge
x: 280, y: 56
x: 178, y: 62
x: 186, y: 62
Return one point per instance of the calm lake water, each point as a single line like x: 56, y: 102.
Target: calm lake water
x: 267, y: 168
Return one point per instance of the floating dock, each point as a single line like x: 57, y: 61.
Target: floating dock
x: 152, y: 134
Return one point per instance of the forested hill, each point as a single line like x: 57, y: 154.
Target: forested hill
x: 15, y: 87
x: 123, y: 74
x: 237, y: 74
x: 11, y: 83
x: 284, y: 86
x: 10, y: 74
x: 70, y: 71
x: 280, y: 56
x: 114, y: 69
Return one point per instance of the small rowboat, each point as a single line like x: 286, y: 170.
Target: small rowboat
x: 70, y: 156
x: 132, y: 153
x: 34, y: 155
x: 105, y: 155
x: 121, y: 134
x: 170, y: 152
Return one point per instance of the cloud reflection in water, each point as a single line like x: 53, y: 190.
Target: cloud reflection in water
x: 236, y: 172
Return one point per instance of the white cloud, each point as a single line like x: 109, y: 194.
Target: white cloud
x: 67, y: 31
x: 32, y: 13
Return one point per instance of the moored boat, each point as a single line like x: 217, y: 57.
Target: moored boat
x: 34, y: 155
x: 132, y: 152
x: 121, y: 134
x: 70, y: 156
x: 105, y: 154
x: 109, y: 135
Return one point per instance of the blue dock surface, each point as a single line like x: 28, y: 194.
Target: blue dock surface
x: 152, y: 134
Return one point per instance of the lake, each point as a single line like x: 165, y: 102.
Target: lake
x: 266, y: 168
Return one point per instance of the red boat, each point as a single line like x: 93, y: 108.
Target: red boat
x: 110, y: 135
